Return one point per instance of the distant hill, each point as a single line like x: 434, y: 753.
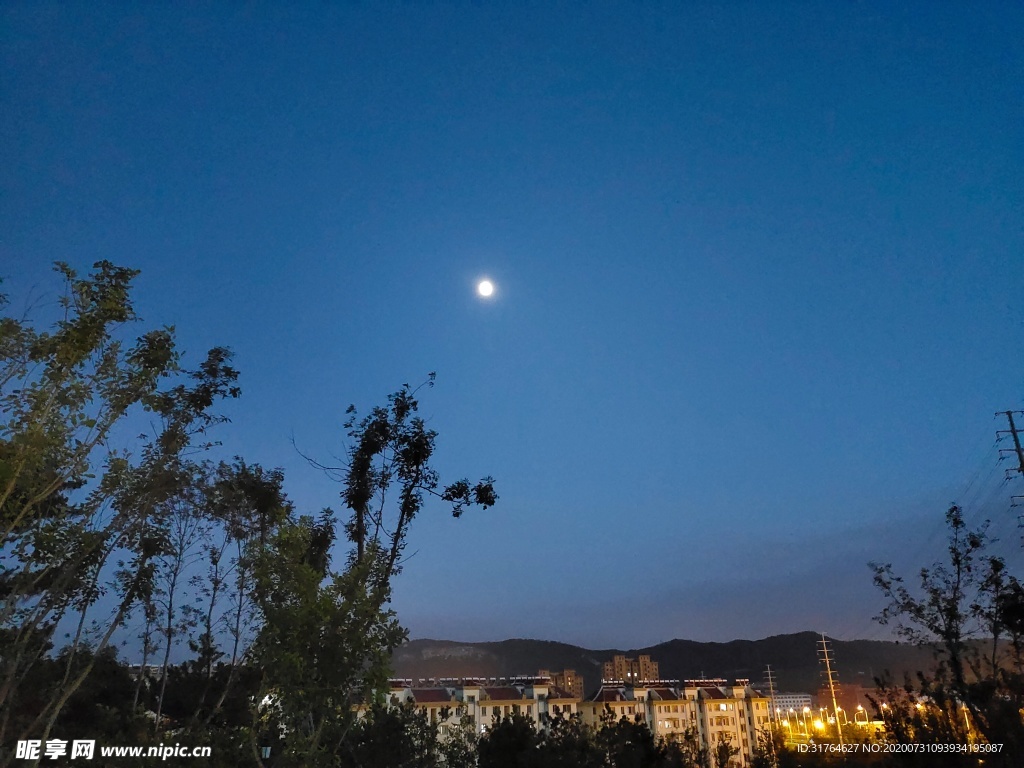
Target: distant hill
x: 794, y: 659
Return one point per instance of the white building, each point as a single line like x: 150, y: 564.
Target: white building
x: 710, y: 710
x: 791, y: 704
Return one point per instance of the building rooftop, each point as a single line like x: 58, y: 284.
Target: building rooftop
x: 608, y: 694
x: 559, y: 693
x: 431, y: 695
x: 504, y: 693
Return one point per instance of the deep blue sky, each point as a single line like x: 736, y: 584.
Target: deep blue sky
x: 760, y: 274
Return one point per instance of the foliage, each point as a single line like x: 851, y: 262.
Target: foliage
x: 325, y: 640
x: 392, y: 737
x: 629, y: 743
x: 722, y: 753
x: 458, y: 745
x: 81, y: 520
x: 971, y: 612
x: 569, y: 743
x: 326, y: 635
x: 510, y: 742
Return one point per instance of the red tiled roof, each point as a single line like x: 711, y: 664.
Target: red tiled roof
x: 430, y: 695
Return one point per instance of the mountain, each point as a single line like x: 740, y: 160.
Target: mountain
x: 794, y: 659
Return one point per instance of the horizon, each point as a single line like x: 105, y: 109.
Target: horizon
x: 654, y: 645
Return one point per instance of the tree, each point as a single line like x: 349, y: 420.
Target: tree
x: 510, y: 742
x: 687, y: 752
x: 326, y: 635
x: 69, y: 500
x: 246, y: 505
x: 392, y: 737
x: 184, y: 530
x: 569, y: 743
x: 458, y: 745
x: 965, y: 610
x: 629, y: 743
x: 723, y: 753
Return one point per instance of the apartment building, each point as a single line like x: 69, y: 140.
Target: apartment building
x: 710, y: 710
x: 567, y: 680
x: 630, y: 670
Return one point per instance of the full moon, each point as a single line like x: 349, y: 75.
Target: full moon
x: 485, y: 288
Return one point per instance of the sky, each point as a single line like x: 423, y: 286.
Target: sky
x: 759, y: 275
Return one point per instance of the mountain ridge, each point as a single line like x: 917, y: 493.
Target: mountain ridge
x: 793, y: 657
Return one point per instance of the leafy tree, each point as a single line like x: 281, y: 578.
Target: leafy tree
x: 458, y: 745
x: 392, y: 737
x: 630, y: 743
x: 70, y: 502
x: 687, y: 751
x: 184, y: 530
x: 245, y: 505
x: 722, y: 753
x: 510, y: 742
x: 569, y: 743
x: 969, y: 611
x: 326, y: 635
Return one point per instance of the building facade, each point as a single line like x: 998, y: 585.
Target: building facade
x: 792, y: 702
x: 567, y: 680
x: 708, y: 711
x: 641, y: 669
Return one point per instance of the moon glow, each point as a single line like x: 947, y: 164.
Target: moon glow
x: 485, y: 288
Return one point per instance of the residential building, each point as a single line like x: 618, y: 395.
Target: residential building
x: 712, y: 711
x: 630, y: 670
x: 567, y: 680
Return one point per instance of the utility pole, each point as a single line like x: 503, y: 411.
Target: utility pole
x: 825, y: 652
x: 1015, y: 433
x: 771, y: 689
x: 772, y: 724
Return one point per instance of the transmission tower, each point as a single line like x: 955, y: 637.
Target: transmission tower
x: 1015, y: 501
x: 1015, y: 434
x: 772, y: 722
x: 771, y: 690
x: 825, y: 654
